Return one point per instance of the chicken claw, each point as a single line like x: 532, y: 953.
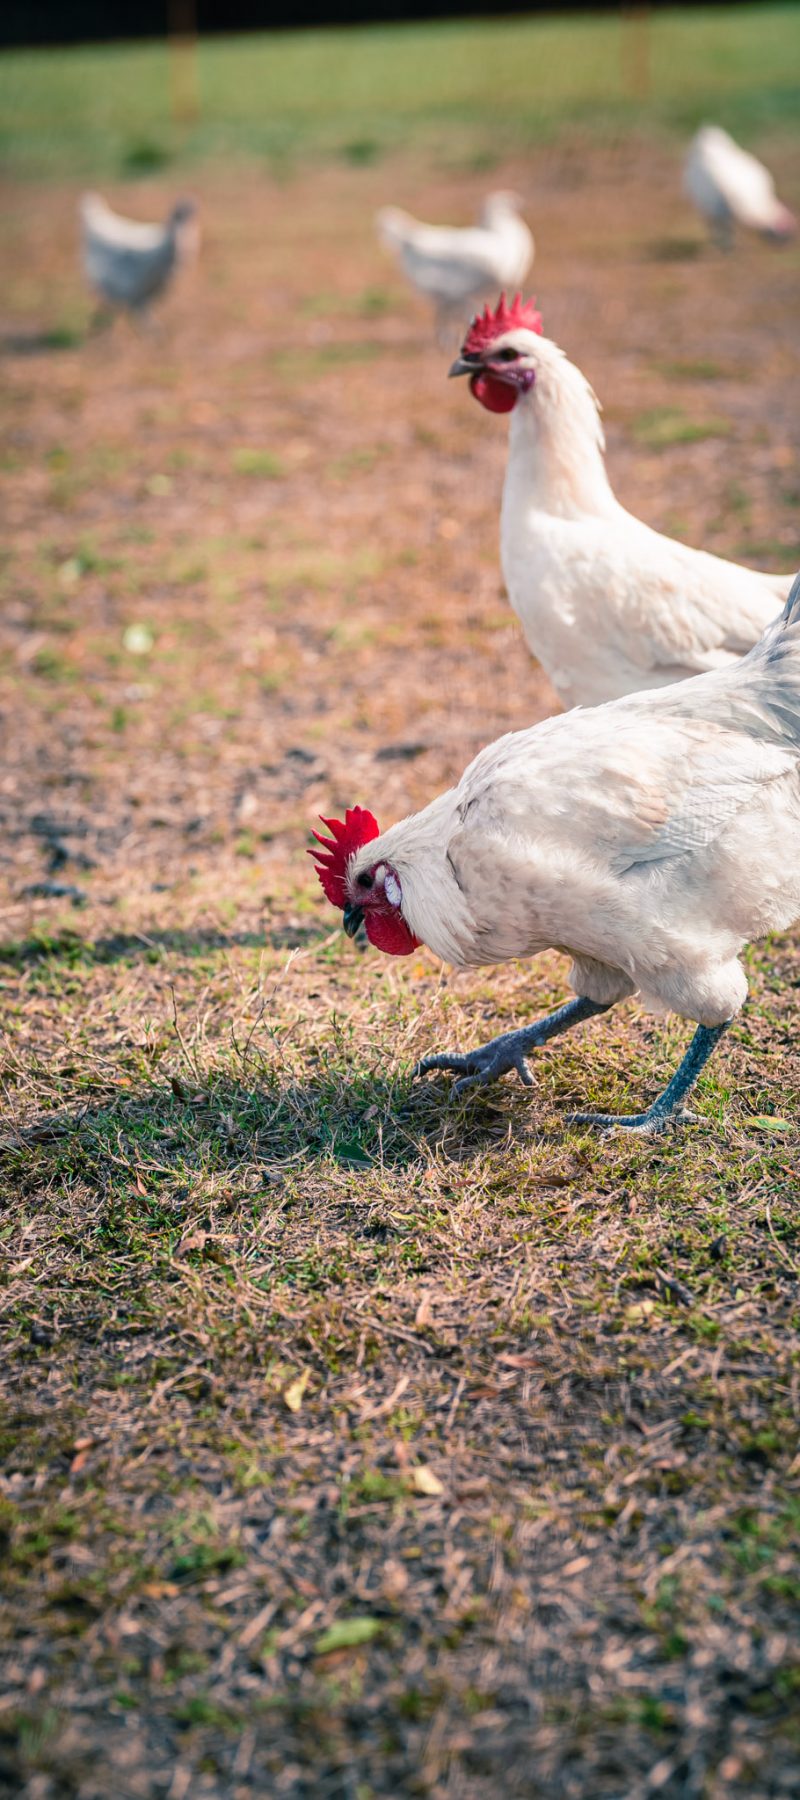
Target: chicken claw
x: 480, y: 1067
x: 668, y: 1111
x: 647, y: 1124
x: 509, y: 1051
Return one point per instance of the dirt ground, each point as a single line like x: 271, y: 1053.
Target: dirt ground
x: 357, y: 1444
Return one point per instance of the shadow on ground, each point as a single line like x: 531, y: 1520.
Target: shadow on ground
x: 71, y: 947
x: 40, y: 343
x: 361, y: 1121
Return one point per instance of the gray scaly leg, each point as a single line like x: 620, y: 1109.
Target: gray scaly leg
x: 667, y: 1110
x: 510, y: 1050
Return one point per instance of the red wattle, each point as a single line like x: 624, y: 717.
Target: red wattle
x: 496, y: 396
x: 390, y: 933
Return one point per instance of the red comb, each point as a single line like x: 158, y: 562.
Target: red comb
x: 359, y: 828
x: 487, y: 326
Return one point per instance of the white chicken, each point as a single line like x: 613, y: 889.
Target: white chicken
x: 608, y: 605
x: 730, y: 187
x: 127, y: 263
x: 650, y: 838
x: 454, y: 266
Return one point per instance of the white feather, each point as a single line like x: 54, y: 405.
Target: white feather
x: 728, y: 185
x: 126, y: 262
x: 650, y: 838
x: 392, y: 889
x: 608, y: 605
x: 456, y: 266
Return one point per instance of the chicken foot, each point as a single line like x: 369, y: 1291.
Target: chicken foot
x: 510, y: 1050
x: 668, y: 1109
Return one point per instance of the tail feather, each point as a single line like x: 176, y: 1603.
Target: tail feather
x: 760, y: 695
x: 769, y: 678
x: 791, y: 612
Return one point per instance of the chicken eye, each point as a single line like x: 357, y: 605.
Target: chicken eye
x: 508, y: 355
x: 365, y: 880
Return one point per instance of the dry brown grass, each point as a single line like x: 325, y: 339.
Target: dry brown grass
x: 532, y: 1526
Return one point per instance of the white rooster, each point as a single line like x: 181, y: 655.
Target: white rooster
x: 730, y: 187
x: 608, y: 606
x: 127, y: 263
x: 454, y: 266
x: 650, y: 838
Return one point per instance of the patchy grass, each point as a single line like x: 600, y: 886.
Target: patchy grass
x: 541, y: 1377
x: 691, y: 369
x: 471, y: 91
x: 258, y: 462
x: 358, y: 1441
x: 666, y: 425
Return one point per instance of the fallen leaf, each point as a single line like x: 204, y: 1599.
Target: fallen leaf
x: 194, y: 1240
x: 347, y: 1634
x: 424, y: 1481
x: 138, y: 640
x: 293, y: 1395
x: 424, y: 1313
x: 394, y: 1580
x: 577, y: 1565
x: 642, y: 1310
x: 307, y: 1588
x: 768, y: 1122
x: 468, y: 1490
x: 31, y: 644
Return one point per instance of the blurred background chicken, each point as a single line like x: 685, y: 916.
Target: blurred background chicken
x: 455, y: 266
x: 730, y: 187
x: 128, y: 264
x: 651, y: 839
x: 608, y: 605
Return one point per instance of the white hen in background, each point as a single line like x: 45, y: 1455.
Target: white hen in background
x: 608, y: 605
x: 730, y: 187
x: 127, y: 263
x: 455, y: 266
x: 651, y: 839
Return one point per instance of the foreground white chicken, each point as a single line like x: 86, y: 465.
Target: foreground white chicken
x: 608, y: 606
x: 454, y: 266
x: 127, y: 263
x: 730, y: 187
x: 651, y: 839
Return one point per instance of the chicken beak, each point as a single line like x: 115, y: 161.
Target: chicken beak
x: 461, y: 367
x: 353, y: 917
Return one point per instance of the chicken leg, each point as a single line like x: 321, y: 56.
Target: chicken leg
x: 667, y: 1110
x: 510, y: 1050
